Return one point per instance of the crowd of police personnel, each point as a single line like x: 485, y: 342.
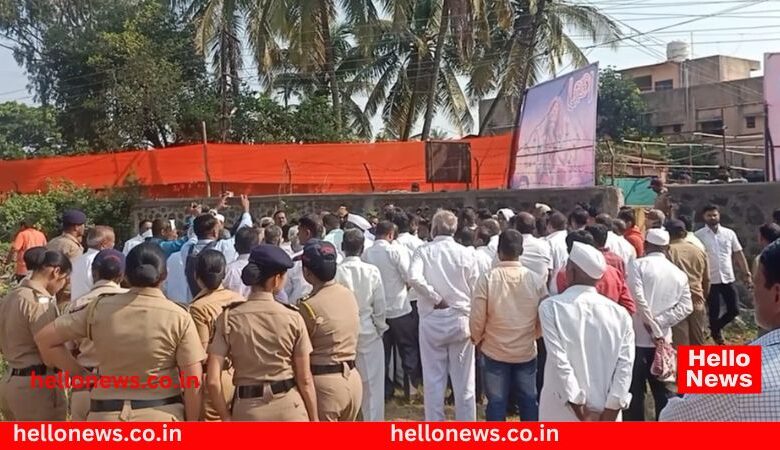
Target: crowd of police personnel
x: 259, y: 359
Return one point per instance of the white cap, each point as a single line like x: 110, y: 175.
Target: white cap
x: 543, y: 208
x: 589, y: 259
x: 220, y: 217
x: 657, y: 236
x: 359, y: 221
x: 507, y: 213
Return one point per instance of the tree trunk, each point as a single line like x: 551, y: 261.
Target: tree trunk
x: 528, y: 56
x: 329, y: 66
x: 440, y: 41
x: 407, y: 129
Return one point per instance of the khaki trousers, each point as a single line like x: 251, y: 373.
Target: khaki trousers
x: 208, y: 413
x: 285, y: 407
x: 21, y: 402
x: 692, y: 330
x: 166, y: 413
x: 79, y: 405
x: 339, y: 396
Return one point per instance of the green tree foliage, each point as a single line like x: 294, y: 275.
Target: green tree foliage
x: 621, y: 108
x: 28, y: 131
x: 111, y: 207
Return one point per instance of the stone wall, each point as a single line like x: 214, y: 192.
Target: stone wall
x: 743, y: 207
x: 605, y: 198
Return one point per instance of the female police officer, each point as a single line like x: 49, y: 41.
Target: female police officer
x: 269, y: 347
x: 139, y: 336
x: 205, y: 308
x: 23, y: 312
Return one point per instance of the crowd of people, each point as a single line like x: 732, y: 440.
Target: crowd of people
x: 548, y: 316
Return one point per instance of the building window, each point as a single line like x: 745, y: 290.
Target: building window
x: 677, y: 128
x: 750, y: 122
x: 645, y: 83
x: 664, y: 85
x: 711, y: 126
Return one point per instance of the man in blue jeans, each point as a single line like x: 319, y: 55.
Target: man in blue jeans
x: 504, y: 325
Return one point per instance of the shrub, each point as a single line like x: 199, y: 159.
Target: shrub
x: 110, y: 207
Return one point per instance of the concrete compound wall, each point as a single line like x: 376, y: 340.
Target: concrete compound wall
x: 743, y: 207
x: 605, y: 198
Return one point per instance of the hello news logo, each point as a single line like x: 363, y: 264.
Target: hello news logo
x: 719, y: 369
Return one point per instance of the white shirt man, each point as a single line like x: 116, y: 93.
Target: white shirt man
x: 81, y: 281
x: 233, y: 276
x: 393, y: 263
x: 409, y: 241
x: 136, y: 240
x: 537, y: 256
x: 590, y: 346
x: 663, y: 299
x: 365, y: 281
x: 559, y: 253
x: 720, y: 245
x: 444, y: 273
x: 621, y: 247
x: 81, y: 275
x: 176, y: 286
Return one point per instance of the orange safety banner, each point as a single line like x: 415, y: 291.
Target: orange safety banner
x: 402, y: 435
x: 260, y: 169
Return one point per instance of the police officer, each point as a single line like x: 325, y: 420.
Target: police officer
x: 268, y: 346
x: 138, y: 334
x: 23, y: 312
x: 210, y: 269
x: 69, y: 243
x: 73, y: 227
x: 108, y: 271
x: 331, y: 316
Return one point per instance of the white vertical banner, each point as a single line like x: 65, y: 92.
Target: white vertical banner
x: 772, y: 100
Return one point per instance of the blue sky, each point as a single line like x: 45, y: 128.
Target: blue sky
x: 744, y: 28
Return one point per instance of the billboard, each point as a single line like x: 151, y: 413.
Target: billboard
x: 555, y: 137
x: 772, y: 100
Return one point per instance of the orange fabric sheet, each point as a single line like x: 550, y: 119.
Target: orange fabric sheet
x: 260, y: 169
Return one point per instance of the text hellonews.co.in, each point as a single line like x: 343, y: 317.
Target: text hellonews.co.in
x: 424, y: 432
x: 54, y: 433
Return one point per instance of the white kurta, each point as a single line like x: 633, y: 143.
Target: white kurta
x: 590, y: 353
x: 560, y: 255
x: 81, y: 275
x: 621, y: 247
x: 662, y: 296
x: 365, y: 281
x: 444, y: 270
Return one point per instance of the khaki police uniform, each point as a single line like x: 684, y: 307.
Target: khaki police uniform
x: 138, y: 334
x: 80, y: 396
x: 23, y: 312
x: 71, y: 247
x: 261, y: 337
x: 205, y: 309
x: 331, y: 317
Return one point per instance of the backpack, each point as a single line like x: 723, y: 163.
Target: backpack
x: 191, y: 263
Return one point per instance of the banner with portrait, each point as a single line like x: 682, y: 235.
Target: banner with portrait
x: 555, y: 138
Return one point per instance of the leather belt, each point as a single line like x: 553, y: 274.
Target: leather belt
x: 118, y: 405
x: 256, y: 390
x: 335, y: 368
x: 39, y: 369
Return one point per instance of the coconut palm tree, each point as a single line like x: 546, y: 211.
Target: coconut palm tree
x: 397, y: 75
x: 218, y: 31
x: 518, y: 42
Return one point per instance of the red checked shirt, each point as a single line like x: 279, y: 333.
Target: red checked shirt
x: 612, y: 285
x: 614, y: 260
